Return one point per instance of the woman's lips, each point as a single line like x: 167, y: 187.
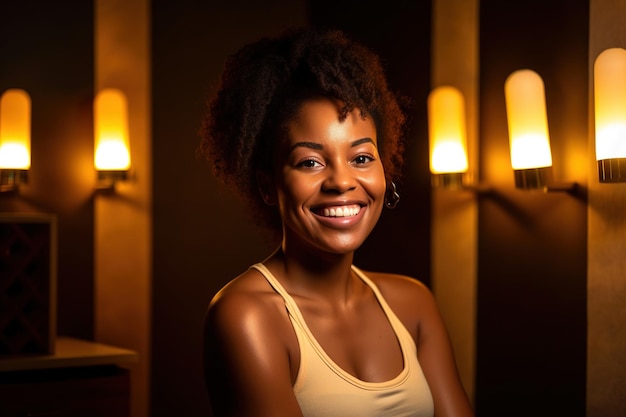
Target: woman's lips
x: 341, y: 216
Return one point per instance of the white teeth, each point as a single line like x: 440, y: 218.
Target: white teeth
x: 342, y: 211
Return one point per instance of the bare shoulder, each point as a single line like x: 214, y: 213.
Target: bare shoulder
x: 246, y: 316
x: 246, y: 297
x: 400, y: 288
x: 248, y: 343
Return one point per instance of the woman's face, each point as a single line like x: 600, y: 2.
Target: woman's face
x: 329, y: 181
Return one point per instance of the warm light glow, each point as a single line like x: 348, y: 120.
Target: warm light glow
x: 447, y: 131
x: 111, y: 131
x: 610, y: 103
x: 15, y: 130
x: 527, y: 120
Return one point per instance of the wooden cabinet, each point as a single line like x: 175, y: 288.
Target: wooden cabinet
x: 80, y: 379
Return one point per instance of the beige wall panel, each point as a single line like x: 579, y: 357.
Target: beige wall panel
x: 454, y: 213
x: 123, y: 220
x: 606, y: 363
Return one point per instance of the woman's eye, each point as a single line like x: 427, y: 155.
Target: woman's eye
x: 363, y: 159
x: 309, y: 163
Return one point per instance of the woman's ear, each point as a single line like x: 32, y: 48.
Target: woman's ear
x: 266, y: 187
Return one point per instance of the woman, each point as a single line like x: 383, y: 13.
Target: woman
x: 306, y: 130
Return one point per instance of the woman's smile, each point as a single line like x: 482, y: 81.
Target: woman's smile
x: 339, y: 216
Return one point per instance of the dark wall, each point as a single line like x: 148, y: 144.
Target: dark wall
x: 46, y: 48
x: 202, y: 236
x: 531, y: 338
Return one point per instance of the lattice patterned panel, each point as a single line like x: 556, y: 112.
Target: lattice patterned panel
x: 27, y: 284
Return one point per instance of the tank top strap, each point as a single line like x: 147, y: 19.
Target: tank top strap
x: 290, y: 303
x: 405, y: 338
x: 381, y: 300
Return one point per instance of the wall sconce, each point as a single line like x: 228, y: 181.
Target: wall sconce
x: 15, y: 106
x: 531, y: 157
x: 447, y: 138
x: 610, y: 114
x: 112, y: 149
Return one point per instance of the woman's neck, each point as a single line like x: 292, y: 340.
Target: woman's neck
x: 313, y: 274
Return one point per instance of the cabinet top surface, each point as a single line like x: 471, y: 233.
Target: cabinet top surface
x: 70, y: 352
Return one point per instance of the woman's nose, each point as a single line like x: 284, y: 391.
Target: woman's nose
x: 339, y: 178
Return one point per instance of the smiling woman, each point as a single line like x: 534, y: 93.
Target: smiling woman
x: 306, y: 130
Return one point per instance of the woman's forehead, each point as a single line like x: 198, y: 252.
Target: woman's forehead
x: 321, y: 119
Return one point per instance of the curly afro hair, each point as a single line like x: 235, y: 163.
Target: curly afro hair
x: 264, y: 84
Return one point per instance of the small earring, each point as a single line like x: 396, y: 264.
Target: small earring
x: 392, y: 197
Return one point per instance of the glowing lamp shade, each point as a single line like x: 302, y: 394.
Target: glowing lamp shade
x: 15, y: 124
x: 447, y: 131
x: 610, y: 114
x: 112, y: 150
x: 447, y: 135
x: 527, y: 119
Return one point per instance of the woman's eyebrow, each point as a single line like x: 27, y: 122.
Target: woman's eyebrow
x: 319, y: 147
x: 310, y: 145
x: 360, y: 141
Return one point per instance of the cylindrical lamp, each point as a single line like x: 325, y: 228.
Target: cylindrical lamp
x: 112, y: 148
x: 447, y: 137
x: 531, y: 157
x: 610, y: 114
x: 15, y: 125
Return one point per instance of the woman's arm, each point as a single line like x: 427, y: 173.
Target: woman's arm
x: 247, y: 370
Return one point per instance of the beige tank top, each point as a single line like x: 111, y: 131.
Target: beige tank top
x: 323, y: 389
